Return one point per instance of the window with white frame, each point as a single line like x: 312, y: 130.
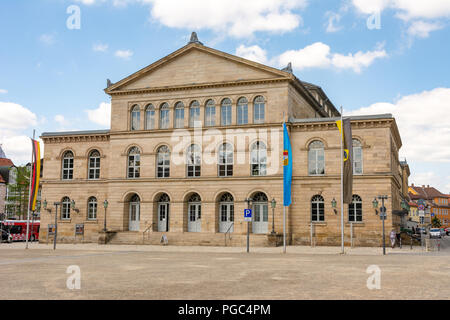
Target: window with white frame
x: 225, y: 160
x: 316, y: 158
x: 194, y: 161
x: 258, y: 110
x: 135, y: 118
x: 92, y: 208
x: 67, y: 166
x: 164, y: 116
x: 225, y: 112
x: 317, y: 209
x: 179, y: 115
x: 242, y: 111
x: 94, y: 165
x: 355, y: 209
x: 163, y: 162
x: 258, y: 159
x: 357, y: 157
x: 65, y: 208
x: 134, y: 163
x: 194, y: 114
x: 150, y: 116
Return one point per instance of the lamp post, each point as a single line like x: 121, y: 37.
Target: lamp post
x: 105, y: 205
x: 56, y: 223
x: 274, y: 204
x: 72, y: 206
x: 334, y: 205
x: 382, y: 216
x: 249, y: 203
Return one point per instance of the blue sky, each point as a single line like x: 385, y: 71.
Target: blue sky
x: 50, y: 75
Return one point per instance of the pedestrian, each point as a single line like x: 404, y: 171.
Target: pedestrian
x: 393, y: 235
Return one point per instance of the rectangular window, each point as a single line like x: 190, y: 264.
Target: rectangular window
x: 194, y: 117
x: 164, y: 119
x: 150, y: 123
x: 210, y: 116
x: 179, y: 118
x: 242, y: 114
x: 226, y: 115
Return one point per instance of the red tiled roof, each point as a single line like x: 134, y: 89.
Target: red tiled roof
x: 6, y: 162
x: 426, y: 193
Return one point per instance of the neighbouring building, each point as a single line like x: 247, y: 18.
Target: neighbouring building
x: 7, y: 178
x: 198, y: 132
x: 438, y: 204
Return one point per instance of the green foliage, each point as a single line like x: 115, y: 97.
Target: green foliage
x: 18, y: 193
x: 436, y: 223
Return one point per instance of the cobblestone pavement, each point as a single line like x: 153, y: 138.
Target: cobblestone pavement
x: 201, y: 273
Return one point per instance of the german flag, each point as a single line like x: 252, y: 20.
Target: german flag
x: 36, y: 173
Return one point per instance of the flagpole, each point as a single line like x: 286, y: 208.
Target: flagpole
x: 342, y: 183
x: 29, y: 193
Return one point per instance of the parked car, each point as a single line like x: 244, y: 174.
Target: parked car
x: 435, y: 233
x: 421, y: 230
x: 6, y: 236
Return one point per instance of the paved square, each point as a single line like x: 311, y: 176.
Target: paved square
x: 157, y: 272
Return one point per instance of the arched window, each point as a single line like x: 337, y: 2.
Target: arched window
x: 194, y: 114
x: 194, y: 213
x: 134, y: 163
x: 67, y: 166
x: 163, y: 213
x: 316, y: 158
x: 164, y: 116
x: 179, y: 115
x: 355, y: 209
x: 225, y: 160
x: 65, y: 208
x: 258, y: 110
x: 194, y: 161
x: 163, y: 162
x: 135, y: 118
x: 317, y: 209
x: 94, y: 165
x: 92, y: 208
x: 225, y: 112
x: 226, y: 212
x: 210, y: 113
x: 357, y: 157
x: 242, y: 111
x: 260, y: 221
x: 150, y: 117
x: 258, y: 159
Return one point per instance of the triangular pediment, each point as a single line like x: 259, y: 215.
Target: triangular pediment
x: 195, y: 64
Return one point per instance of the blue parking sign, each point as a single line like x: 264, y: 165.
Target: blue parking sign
x: 248, y: 214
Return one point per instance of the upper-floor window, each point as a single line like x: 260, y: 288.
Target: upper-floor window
x: 194, y: 161
x: 357, y: 157
x: 210, y: 113
x: 65, y: 208
x: 258, y: 110
x: 194, y: 114
x: 134, y: 163
x: 225, y: 160
x: 135, y: 118
x: 225, y: 112
x: 258, y: 159
x: 242, y: 111
x: 355, y: 209
x: 163, y: 162
x: 317, y: 208
x: 164, y: 116
x: 150, y: 116
x: 316, y: 158
x: 92, y: 208
x: 94, y: 165
x: 179, y: 115
x: 67, y: 166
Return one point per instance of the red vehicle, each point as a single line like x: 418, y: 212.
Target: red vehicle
x: 18, y: 229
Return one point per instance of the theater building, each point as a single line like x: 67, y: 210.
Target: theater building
x: 196, y: 134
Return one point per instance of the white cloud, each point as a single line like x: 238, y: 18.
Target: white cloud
x: 15, y: 117
x: 254, y: 53
x: 422, y: 29
x: 372, y: 6
x: 3, y: 91
x: 59, y: 118
x: 424, y: 123
x: 319, y: 55
x: 124, y: 54
x: 47, y: 39
x: 100, y: 47
x: 101, y: 115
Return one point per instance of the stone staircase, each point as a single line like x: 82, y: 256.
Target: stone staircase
x: 190, y: 239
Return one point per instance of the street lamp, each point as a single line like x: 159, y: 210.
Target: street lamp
x: 334, y: 205
x: 382, y: 216
x: 45, y: 204
x: 105, y: 205
x: 274, y: 204
x: 56, y: 224
x: 249, y: 203
x: 375, y: 205
x: 72, y: 206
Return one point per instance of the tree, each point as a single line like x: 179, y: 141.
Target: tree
x: 18, y: 193
x: 436, y: 223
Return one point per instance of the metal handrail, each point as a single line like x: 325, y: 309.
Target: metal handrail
x: 229, y: 233
x: 146, y: 231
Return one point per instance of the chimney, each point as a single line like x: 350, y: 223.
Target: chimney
x: 428, y: 186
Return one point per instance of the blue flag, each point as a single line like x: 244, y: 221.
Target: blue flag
x: 287, y: 168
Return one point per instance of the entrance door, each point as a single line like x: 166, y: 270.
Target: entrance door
x: 134, y: 220
x: 163, y: 217
x: 226, y: 217
x: 260, y: 221
x: 194, y: 217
